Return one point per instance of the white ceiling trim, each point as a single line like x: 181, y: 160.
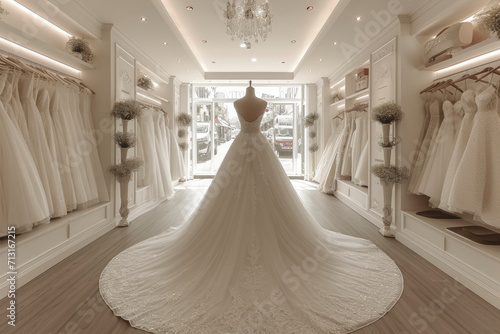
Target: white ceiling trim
x: 249, y: 76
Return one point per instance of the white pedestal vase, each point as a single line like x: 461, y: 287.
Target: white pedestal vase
x: 124, y: 211
x: 386, y: 231
x: 387, y: 186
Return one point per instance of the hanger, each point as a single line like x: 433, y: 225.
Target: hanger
x: 491, y: 71
x: 428, y: 89
x: 339, y: 115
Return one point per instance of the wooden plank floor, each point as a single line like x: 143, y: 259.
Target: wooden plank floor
x: 66, y: 299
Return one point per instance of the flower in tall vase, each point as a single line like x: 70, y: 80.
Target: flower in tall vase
x: 387, y: 114
x: 126, y: 111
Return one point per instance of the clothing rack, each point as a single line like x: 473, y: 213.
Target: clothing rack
x: 152, y: 106
x: 357, y: 107
x: 19, y: 63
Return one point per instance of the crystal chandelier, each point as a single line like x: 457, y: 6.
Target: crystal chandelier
x: 246, y: 20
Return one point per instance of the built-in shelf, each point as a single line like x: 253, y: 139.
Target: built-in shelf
x: 358, y: 94
x: 472, y: 264
x: 36, y: 46
x: 338, y: 103
x: 149, y: 96
x: 479, y: 49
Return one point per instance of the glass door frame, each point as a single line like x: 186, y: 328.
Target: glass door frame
x: 299, y: 107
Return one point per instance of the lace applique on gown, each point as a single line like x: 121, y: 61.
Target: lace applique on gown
x: 251, y: 259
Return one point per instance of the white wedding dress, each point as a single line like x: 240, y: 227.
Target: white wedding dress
x: 251, y: 259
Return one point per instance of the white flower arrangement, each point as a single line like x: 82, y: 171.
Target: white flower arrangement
x: 313, y: 148
x: 182, y: 133
x: 488, y: 20
x: 145, y: 82
x: 125, y: 140
x: 80, y: 46
x: 184, y: 119
x: 311, y: 118
x: 124, y: 170
x: 391, y: 174
x: 387, y: 113
x: 127, y: 109
x: 3, y: 10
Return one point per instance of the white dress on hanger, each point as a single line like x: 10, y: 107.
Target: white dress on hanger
x: 49, y: 175
x: 325, y: 172
x: 359, y: 142
x: 62, y: 147
x: 251, y: 259
x: 149, y: 175
x: 433, y: 177
x: 24, y: 203
x: 12, y: 104
x: 425, y: 146
x: 476, y: 184
x: 166, y: 185
x: 177, y: 166
x: 346, y: 170
x: 470, y: 108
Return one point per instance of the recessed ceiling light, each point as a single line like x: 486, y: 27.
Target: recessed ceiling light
x: 143, y: 19
x: 309, y: 7
x: 178, y: 60
x: 189, y: 7
x: 293, y: 41
x: 320, y: 59
x: 243, y: 45
x: 254, y: 60
x: 165, y: 43
x: 358, y: 18
x: 204, y: 41
x: 334, y: 43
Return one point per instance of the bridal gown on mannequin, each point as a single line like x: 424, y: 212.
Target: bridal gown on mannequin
x: 251, y: 259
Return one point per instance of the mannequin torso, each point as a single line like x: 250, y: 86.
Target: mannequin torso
x: 250, y: 107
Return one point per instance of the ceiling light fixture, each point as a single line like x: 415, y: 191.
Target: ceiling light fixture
x: 189, y: 7
x: 143, y: 19
x: 247, y: 20
x: 254, y: 60
x: 243, y: 45
x: 165, y: 43
x: 309, y: 7
x: 293, y: 41
x: 334, y: 43
x: 358, y: 18
x: 204, y: 41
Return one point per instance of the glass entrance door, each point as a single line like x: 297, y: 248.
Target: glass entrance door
x: 204, y: 138
x: 284, y: 131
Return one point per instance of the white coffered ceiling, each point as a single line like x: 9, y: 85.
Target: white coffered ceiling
x: 324, y: 37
